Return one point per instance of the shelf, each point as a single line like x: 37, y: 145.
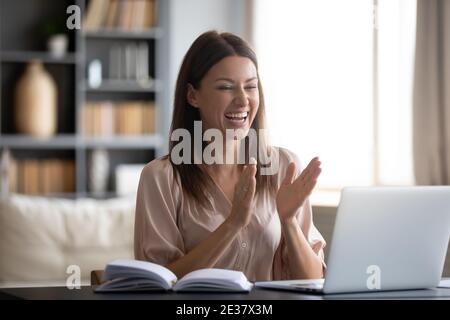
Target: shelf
x: 65, y: 195
x: 153, y: 33
x: 77, y: 195
x: 16, y: 141
x: 123, y: 142
x: 98, y: 196
x: 26, y: 56
x: 112, y: 86
x: 71, y: 141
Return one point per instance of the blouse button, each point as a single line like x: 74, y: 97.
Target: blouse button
x: 244, y: 244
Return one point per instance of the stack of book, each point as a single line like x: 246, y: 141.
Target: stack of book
x: 103, y: 119
x: 130, y: 61
x: 129, y: 15
x: 46, y: 176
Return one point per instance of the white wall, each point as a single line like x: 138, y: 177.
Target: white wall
x: 189, y: 18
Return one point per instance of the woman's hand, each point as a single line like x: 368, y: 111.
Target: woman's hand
x: 241, y: 211
x: 292, y: 194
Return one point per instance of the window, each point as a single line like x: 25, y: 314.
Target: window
x: 338, y: 82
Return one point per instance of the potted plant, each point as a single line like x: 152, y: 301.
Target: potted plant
x: 54, y: 31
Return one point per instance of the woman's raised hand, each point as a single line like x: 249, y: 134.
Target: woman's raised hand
x: 292, y: 194
x: 241, y: 211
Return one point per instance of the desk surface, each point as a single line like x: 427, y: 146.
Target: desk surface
x: 86, y: 293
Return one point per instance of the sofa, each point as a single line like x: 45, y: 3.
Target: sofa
x: 41, y: 237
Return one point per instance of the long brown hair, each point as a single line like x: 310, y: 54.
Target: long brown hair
x: 207, y: 50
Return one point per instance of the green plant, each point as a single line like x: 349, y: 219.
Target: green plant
x: 53, y: 26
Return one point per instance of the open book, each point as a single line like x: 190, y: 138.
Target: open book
x: 135, y: 275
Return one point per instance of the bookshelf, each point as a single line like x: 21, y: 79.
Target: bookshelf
x: 20, y: 56
x: 20, y: 42
x: 154, y: 33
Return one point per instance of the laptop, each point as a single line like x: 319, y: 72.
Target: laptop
x: 385, y: 238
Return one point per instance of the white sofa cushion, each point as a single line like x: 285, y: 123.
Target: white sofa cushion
x: 40, y: 237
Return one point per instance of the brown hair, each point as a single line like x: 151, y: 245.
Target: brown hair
x: 207, y: 50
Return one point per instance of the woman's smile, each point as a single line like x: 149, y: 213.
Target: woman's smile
x: 237, y: 119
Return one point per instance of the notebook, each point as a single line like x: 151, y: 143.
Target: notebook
x: 134, y: 275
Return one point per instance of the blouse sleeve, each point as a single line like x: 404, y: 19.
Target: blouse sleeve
x: 156, y: 235
x: 304, y: 218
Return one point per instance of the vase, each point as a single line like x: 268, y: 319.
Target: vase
x: 99, y: 171
x: 57, y: 45
x: 35, y: 102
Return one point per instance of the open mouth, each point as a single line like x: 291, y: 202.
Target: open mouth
x: 237, y: 116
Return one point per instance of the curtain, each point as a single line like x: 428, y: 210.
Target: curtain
x: 431, y: 98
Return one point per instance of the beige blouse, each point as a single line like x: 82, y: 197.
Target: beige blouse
x: 168, y: 225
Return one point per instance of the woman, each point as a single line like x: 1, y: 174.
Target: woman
x: 192, y: 215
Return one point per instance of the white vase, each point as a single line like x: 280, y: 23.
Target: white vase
x: 57, y: 45
x: 99, y: 171
x: 36, y: 102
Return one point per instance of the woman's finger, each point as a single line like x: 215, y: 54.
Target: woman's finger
x: 317, y: 172
x: 245, y: 180
x: 313, y: 165
x: 251, y: 169
x: 310, y: 186
x: 309, y: 173
x: 290, y: 172
x: 302, y: 178
x: 250, y: 191
x: 311, y: 183
x: 241, y: 185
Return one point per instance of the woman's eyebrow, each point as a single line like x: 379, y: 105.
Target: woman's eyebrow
x: 231, y: 80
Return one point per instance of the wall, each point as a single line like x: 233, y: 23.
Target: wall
x: 185, y: 21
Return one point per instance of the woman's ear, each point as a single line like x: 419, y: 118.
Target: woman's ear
x: 192, y: 96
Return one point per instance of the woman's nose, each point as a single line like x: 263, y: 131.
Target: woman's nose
x: 241, y: 98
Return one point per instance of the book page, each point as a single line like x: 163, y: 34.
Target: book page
x: 213, y: 279
x: 125, y: 268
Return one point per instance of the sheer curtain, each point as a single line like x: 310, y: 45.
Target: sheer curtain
x: 396, y: 44
x: 431, y: 94
x: 317, y: 68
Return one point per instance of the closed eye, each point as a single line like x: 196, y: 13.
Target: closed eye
x: 225, y: 88
x: 231, y: 88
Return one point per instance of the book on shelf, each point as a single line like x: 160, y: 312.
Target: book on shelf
x: 31, y: 177
x: 129, y: 63
x: 128, y: 15
x: 135, y: 275
x: 43, y: 176
x: 105, y: 119
x: 111, y: 20
x: 97, y: 12
x: 13, y: 175
x: 140, y: 12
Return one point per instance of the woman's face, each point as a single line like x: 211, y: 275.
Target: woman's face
x: 228, y: 95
